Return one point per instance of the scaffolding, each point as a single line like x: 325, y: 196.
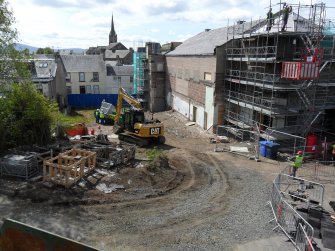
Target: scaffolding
x: 281, y: 79
x: 140, y: 74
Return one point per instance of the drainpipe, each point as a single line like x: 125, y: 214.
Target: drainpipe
x: 189, y: 109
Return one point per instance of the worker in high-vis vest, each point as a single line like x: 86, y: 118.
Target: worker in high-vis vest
x: 102, y: 118
x: 297, y: 163
x: 333, y: 152
x: 97, y: 116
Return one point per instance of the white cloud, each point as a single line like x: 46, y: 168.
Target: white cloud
x: 154, y: 30
x: 84, y: 23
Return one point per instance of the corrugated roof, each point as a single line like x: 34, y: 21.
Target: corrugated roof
x: 205, y: 42
x: 83, y: 63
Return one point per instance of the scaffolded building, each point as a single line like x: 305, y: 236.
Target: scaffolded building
x: 140, y: 78
x: 149, y: 77
x: 281, y: 80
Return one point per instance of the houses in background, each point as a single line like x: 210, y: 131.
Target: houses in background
x: 48, y: 74
x: 85, y: 74
x: 119, y: 76
x: 102, y: 70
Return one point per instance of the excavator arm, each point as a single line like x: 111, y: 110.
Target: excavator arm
x: 123, y: 95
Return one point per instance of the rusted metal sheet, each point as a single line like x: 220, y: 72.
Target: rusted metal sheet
x: 17, y: 236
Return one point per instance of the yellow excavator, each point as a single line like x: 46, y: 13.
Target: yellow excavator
x: 134, y: 127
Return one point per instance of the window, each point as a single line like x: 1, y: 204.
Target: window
x: 117, y: 80
x: 82, y: 89
x: 109, y: 70
x: 88, y: 89
x: 131, y: 79
x: 68, y: 77
x: 81, y: 77
x: 160, y: 67
x: 68, y: 90
x: 208, y: 76
x: 96, y: 89
x: 43, y: 65
x: 95, y: 76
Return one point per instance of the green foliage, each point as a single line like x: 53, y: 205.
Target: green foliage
x: 46, y: 50
x: 157, y: 159
x: 13, y: 64
x: 25, y: 114
x: 25, y: 117
x: 72, y: 118
x: 154, y: 153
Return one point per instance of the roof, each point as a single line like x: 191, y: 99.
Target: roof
x: 111, y: 63
x: 44, y: 57
x: 117, y: 53
x: 123, y: 70
x: 169, y: 47
x: 45, y: 67
x: 205, y: 42
x: 295, y: 23
x: 118, y: 45
x: 83, y: 63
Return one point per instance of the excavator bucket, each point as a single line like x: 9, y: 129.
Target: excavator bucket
x: 17, y: 236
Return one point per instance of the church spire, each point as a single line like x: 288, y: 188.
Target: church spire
x: 112, y: 33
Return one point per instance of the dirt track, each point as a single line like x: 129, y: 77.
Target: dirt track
x: 218, y: 204
x: 215, y: 202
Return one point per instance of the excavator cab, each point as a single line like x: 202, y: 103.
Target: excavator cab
x: 131, y: 117
x: 134, y: 128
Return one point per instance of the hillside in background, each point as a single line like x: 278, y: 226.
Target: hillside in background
x: 33, y: 49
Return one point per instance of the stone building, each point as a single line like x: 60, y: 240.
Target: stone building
x: 247, y: 76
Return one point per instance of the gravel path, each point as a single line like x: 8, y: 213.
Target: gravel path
x: 218, y: 206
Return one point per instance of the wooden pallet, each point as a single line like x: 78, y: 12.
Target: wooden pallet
x: 69, y: 167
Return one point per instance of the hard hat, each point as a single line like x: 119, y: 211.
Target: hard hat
x: 299, y: 152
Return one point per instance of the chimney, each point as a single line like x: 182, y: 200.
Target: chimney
x: 240, y: 22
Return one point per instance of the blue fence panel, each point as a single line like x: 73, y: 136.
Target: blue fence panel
x: 90, y: 100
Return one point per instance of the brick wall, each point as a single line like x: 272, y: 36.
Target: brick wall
x: 197, y: 91
x: 185, y: 75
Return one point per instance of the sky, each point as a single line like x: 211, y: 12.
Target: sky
x: 85, y: 23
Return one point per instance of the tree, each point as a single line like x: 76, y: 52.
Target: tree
x: 25, y: 115
x: 13, y: 66
x: 40, y: 51
x: 46, y: 50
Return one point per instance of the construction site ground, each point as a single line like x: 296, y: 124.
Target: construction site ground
x: 197, y: 199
